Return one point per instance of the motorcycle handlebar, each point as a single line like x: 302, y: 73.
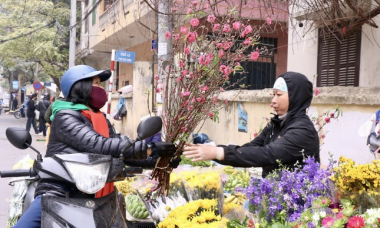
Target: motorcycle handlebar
x: 133, y: 170
x: 17, y: 173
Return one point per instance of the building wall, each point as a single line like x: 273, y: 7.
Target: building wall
x: 303, y: 52
x: 137, y: 103
x: 342, y: 137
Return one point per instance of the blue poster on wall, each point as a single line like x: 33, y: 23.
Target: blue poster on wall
x: 242, y: 118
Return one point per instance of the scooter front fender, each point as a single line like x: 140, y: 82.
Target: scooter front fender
x: 58, y: 212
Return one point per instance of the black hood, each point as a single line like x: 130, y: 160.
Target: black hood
x: 300, y: 91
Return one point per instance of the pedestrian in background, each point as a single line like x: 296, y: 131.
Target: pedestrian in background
x: 14, y: 103
x: 42, y: 107
x: 31, y: 115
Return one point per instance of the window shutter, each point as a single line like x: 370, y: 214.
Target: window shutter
x: 339, y: 60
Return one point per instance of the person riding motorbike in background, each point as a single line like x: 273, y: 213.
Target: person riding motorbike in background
x: 77, y: 127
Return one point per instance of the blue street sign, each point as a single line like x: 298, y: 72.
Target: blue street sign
x: 15, y: 84
x: 125, y: 56
x: 154, y: 45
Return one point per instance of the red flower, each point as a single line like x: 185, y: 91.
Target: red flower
x: 355, y: 222
x: 332, y: 115
x: 327, y: 119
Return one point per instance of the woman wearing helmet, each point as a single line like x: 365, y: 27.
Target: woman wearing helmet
x: 78, y: 126
x: 288, y: 137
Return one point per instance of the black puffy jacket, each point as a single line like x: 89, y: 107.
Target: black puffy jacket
x: 287, y: 140
x: 71, y: 132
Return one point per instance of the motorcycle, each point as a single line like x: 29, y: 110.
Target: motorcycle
x: 87, y: 172
x: 19, y: 112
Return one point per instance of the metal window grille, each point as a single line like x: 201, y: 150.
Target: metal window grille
x: 259, y: 74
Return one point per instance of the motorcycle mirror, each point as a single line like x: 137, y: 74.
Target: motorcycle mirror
x: 19, y: 137
x: 148, y: 127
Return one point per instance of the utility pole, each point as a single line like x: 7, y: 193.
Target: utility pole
x: 165, y: 47
x: 73, y: 32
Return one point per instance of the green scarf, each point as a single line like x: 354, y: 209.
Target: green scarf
x: 63, y: 105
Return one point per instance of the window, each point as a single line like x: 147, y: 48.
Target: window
x: 108, y: 4
x: 93, y: 13
x: 126, y: 83
x: 339, y: 60
x: 258, y: 74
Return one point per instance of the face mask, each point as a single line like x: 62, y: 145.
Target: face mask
x: 98, y: 97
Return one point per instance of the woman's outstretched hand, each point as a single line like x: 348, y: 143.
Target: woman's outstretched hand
x: 200, y: 152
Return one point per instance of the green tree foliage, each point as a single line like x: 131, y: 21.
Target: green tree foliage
x: 34, y: 31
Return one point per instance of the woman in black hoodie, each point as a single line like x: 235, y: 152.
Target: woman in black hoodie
x: 288, y: 137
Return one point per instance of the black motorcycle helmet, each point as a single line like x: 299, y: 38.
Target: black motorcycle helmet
x: 200, y: 138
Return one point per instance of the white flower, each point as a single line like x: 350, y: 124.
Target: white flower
x: 370, y: 221
x: 322, y: 214
x: 315, y: 217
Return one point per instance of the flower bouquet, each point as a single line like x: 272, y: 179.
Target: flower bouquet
x: 359, y: 183
x: 205, y: 54
x: 197, y: 214
x: 338, y: 215
x: 281, y: 197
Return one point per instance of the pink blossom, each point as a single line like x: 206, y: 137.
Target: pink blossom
x: 221, y: 68
x: 184, y: 72
x: 185, y: 94
x: 227, y: 45
x: 226, y: 28
x: 191, y: 75
x: 158, y: 90
x: 168, y: 35
x: 179, y: 79
x: 209, y: 57
x: 255, y: 55
x: 248, y: 29
x: 243, y: 34
x: 193, y: 100
x: 194, y: 3
x: 316, y: 91
x: 191, y: 36
x: 227, y: 71
x: 167, y: 68
x: 255, y: 134
x: 183, y: 129
x: 174, y: 9
x: 332, y: 115
x: 186, y: 50
x: 189, y: 107
x: 221, y: 53
x: 222, y: 90
x: 199, y: 99
x: 156, y: 77
x: 269, y: 20
x: 176, y: 36
x: 211, y: 18
x: 201, y: 59
x: 184, y: 30
x: 247, y: 41
x: 226, y: 101
x: 216, y: 27
x: 207, y: 6
x: 214, y: 100
x: 188, y: 11
x: 219, y: 45
x: 210, y: 114
x: 236, y: 25
x: 194, y: 22
x: 327, y: 119
x: 204, y: 88
x: 181, y: 65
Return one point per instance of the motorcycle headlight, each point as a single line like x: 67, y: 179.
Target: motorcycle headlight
x: 89, y: 178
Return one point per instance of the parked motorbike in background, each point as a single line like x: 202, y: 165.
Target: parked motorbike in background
x: 20, y: 112
x: 88, y: 172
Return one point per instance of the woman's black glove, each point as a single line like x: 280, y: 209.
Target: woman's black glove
x: 175, y: 162
x: 163, y: 149
x: 137, y: 151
